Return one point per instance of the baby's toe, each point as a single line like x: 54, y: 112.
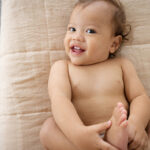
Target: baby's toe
x: 122, y: 119
x: 124, y: 123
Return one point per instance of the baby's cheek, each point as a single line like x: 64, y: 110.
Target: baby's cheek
x: 93, y: 44
x: 65, y: 41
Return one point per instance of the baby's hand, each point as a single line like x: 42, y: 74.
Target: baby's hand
x: 90, y: 139
x: 138, y: 138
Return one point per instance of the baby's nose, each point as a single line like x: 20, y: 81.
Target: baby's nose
x: 78, y: 36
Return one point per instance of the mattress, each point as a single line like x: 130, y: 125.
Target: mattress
x: 32, y: 35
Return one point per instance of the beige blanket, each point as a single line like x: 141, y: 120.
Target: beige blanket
x: 32, y: 33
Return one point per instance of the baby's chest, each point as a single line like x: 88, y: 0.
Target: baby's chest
x: 96, y: 81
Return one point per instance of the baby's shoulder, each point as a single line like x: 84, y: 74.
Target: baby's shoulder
x: 123, y: 61
x: 59, y: 63
x: 126, y: 64
x: 60, y: 66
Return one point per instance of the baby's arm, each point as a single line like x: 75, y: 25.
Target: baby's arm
x: 139, y: 113
x: 59, y: 90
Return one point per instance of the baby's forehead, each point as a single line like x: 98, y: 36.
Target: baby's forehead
x: 96, y: 9
x: 95, y: 4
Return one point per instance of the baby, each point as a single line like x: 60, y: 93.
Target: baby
x: 91, y: 87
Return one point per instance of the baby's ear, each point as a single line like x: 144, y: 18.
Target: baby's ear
x: 116, y: 43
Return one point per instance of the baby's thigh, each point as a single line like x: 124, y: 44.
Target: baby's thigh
x: 47, y: 131
x: 52, y: 137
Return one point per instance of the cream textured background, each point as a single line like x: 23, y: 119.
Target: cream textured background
x: 32, y: 35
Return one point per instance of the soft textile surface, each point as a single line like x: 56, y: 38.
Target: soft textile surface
x: 32, y: 35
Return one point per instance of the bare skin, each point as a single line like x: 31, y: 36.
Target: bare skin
x: 118, y: 128
x: 90, y: 110
x: 52, y: 133
x: 85, y: 90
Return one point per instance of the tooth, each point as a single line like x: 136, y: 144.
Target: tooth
x: 77, y: 47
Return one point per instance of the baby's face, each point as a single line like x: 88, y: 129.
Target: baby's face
x: 89, y: 34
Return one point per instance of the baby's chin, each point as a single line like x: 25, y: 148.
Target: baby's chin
x: 77, y: 63
x: 85, y: 63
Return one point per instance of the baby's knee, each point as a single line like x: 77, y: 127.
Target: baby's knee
x: 46, y: 128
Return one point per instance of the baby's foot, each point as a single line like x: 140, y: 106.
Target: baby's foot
x: 117, y: 135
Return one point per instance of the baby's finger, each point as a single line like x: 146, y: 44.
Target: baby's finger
x: 145, y: 143
x: 134, y: 145
x: 100, y: 128
x: 142, y: 146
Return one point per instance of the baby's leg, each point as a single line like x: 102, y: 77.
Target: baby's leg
x: 117, y: 135
x: 52, y: 138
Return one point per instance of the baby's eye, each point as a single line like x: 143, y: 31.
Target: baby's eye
x: 71, y: 29
x: 90, y: 31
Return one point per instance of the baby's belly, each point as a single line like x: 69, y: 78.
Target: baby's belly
x: 98, y: 109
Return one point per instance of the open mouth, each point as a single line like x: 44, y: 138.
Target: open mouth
x: 77, y: 50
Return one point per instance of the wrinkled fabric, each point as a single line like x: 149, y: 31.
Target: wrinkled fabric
x: 32, y: 35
